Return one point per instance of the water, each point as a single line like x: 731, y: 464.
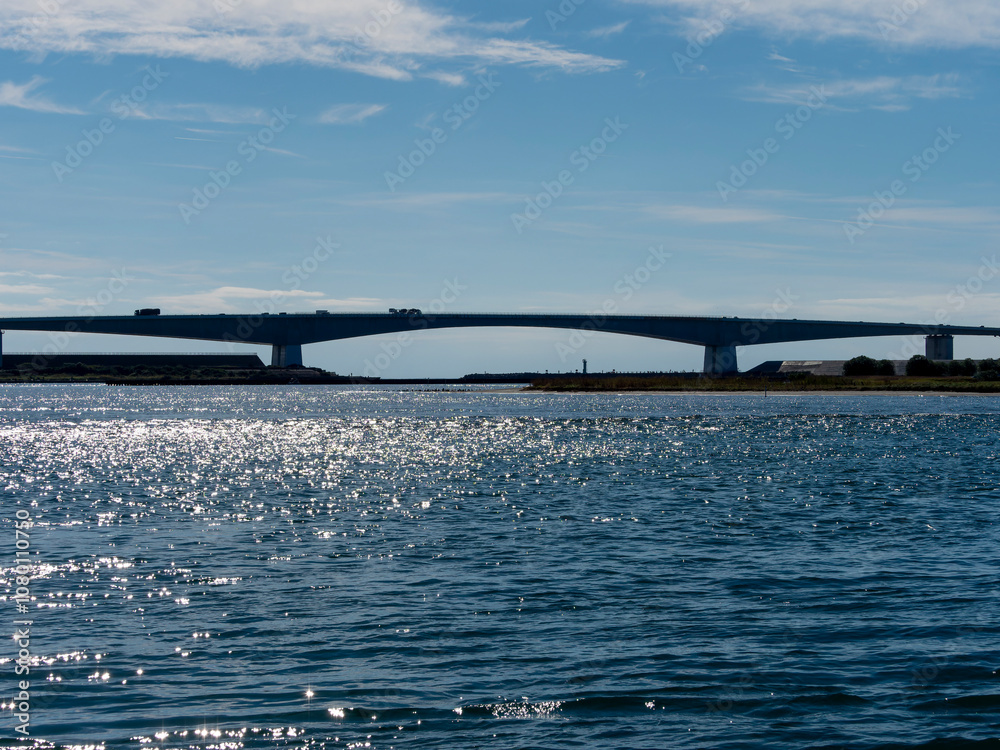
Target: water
x: 325, y: 567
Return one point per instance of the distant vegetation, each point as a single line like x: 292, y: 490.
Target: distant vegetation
x: 985, y: 369
x: 860, y: 366
x: 920, y: 366
x: 940, y: 376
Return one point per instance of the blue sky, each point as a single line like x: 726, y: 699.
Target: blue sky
x: 817, y: 159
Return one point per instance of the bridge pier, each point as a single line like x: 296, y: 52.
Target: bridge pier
x: 1, y: 350
x: 940, y: 346
x: 720, y: 360
x: 283, y: 355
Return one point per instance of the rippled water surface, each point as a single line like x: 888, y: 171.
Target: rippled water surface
x: 324, y: 567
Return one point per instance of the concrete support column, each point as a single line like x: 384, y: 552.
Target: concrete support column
x: 283, y: 355
x: 720, y: 360
x: 940, y: 346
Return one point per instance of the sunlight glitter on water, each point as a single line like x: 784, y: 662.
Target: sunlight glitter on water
x: 430, y: 559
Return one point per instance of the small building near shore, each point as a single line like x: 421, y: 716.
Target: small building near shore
x: 811, y: 367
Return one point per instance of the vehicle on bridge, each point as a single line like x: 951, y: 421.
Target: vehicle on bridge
x: 404, y: 311
x: 148, y: 311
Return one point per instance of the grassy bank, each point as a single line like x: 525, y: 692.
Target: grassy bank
x: 757, y: 384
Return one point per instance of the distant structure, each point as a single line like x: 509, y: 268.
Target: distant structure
x: 584, y: 367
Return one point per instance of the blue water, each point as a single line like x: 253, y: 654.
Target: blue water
x: 327, y: 567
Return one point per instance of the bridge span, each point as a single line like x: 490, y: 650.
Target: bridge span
x: 286, y: 334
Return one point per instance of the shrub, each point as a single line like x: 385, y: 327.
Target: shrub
x: 965, y: 367
x: 861, y: 366
x: 885, y: 367
x: 919, y: 365
x: 989, y: 369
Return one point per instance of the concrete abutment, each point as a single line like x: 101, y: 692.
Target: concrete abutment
x: 284, y: 355
x: 720, y: 360
x: 940, y: 346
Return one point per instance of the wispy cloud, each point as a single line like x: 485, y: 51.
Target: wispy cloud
x: 212, y: 132
x: 784, y: 63
x: 203, y: 113
x: 25, y: 289
x: 229, y: 299
x: 350, y: 114
x: 428, y: 200
x: 881, y: 92
x: 605, y: 31
x: 412, y: 42
x: 350, y: 303
x: 203, y: 167
x: 282, y: 152
x: 449, y: 79
x: 501, y: 27
x: 20, y: 95
x: 961, y: 216
x: 956, y: 24
x: 712, y: 214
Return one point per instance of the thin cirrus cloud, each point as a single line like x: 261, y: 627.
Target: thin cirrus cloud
x: 358, y: 35
x: 350, y: 114
x: 241, y: 299
x: 229, y: 298
x: 606, y: 31
x: 25, y: 289
x: 712, y: 215
x: 889, y: 93
x: 203, y: 113
x: 23, y: 96
x: 952, y: 24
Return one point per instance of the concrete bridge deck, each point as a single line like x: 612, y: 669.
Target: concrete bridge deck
x: 287, y: 333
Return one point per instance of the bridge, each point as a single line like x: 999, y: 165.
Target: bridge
x: 286, y: 334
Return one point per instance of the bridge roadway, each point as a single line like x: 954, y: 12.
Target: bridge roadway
x: 287, y: 333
